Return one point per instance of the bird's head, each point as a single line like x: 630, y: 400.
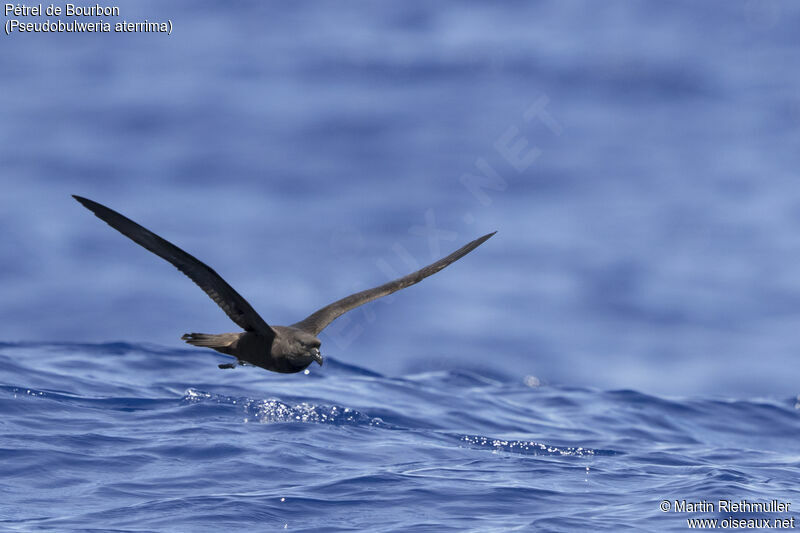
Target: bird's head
x: 307, y: 348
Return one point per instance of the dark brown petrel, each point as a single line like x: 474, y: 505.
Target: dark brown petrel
x: 278, y: 348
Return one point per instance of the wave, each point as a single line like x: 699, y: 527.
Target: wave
x: 275, y: 411
x: 270, y: 411
x: 460, y: 407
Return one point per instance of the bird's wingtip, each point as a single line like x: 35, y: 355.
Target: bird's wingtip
x: 88, y: 204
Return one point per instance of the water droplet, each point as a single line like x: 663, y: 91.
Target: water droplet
x: 532, y: 381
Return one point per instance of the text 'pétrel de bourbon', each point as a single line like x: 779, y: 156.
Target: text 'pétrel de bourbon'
x: 52, y: 10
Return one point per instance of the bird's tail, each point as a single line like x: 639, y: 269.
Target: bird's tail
x: 223, y: 342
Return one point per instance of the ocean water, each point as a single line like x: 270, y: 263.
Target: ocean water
x: 630, y: 334
x: 121, y: 437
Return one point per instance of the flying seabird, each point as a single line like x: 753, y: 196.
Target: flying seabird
x: 284, y: 349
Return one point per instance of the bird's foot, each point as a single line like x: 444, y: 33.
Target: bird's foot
x: 227, y: 365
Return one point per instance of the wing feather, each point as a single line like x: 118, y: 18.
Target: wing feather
x: 234, y: 305
x: 320, y: 319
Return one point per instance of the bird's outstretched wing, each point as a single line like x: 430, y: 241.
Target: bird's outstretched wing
x: 234, y: 305
x: 320, y: 319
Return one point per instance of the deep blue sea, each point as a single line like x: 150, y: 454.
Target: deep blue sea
x: 121, y: 437
x: 630, y: 335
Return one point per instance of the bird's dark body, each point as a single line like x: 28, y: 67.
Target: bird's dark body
x: 255, y: 348
x: 285, y: 349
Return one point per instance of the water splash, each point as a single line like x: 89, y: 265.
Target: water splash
x: 528, y: 447
x: 273, y: 410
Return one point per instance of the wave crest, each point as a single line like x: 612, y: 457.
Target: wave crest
x: 275, y: 411
x: 528, y: 447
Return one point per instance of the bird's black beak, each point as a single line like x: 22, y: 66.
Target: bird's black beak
x: 317, y: 356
